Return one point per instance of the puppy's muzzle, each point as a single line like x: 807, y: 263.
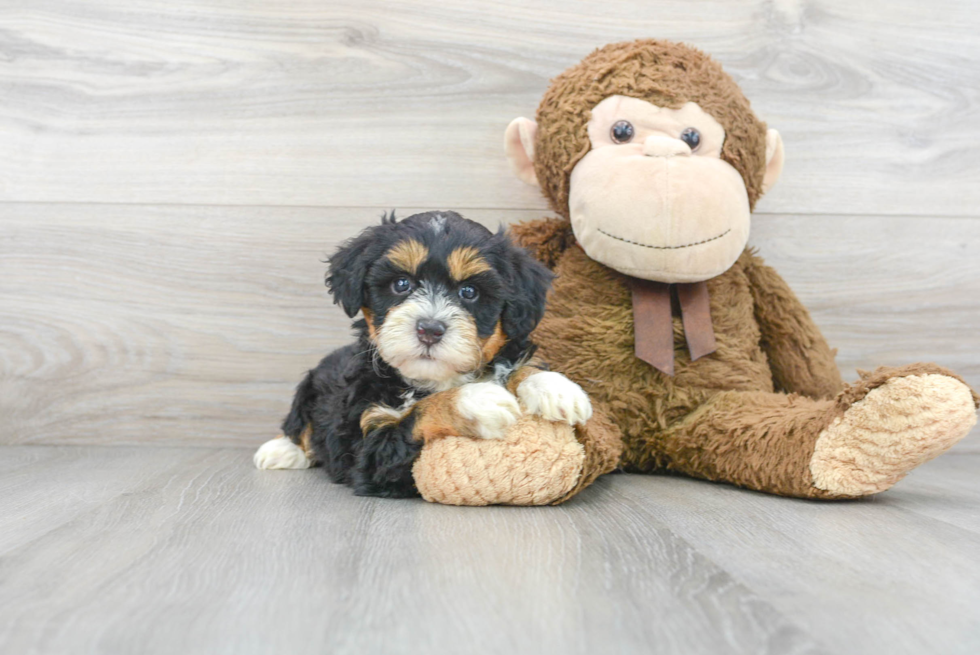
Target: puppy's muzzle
x: 430, y: 331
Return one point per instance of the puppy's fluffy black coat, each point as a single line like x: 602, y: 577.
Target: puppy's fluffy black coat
x: 478, y: 286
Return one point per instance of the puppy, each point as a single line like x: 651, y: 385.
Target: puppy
x: 443, y: 349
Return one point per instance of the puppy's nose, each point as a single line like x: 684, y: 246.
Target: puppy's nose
x: 430, y: 332
x: 664, y: 146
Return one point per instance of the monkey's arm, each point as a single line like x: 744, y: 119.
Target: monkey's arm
x: 546, y: 239
x: 799, y: 356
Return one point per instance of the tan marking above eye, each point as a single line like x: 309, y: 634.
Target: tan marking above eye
x: 466, y: 262
x: 408, y: 255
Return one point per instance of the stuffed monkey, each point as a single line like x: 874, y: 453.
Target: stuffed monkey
x: 700, y: 354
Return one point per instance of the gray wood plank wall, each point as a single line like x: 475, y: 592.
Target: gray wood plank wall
x: 171, y: 175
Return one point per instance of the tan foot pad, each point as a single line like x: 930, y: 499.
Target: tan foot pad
x: 896, y: 427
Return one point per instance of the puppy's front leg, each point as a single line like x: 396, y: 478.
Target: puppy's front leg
x: 394, y: 438
x: 479, y: 409
x: 383, y: 465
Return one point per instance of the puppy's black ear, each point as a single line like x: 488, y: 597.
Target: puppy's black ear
x: 528, y: 283
x: 349, y: 266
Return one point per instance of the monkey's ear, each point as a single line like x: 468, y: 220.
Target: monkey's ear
x: 774, y: 159
x: 519, y: 146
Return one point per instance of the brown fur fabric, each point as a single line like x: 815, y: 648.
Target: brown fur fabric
x: 749, y: 414
x: 766, y: 441
x: 799, y: 357
x: 587, y: 334
x: 546, y: 239
x: 661, y: 72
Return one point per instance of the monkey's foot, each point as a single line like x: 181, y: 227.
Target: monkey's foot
x: 894, y: 428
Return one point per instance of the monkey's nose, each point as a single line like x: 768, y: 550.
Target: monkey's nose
x: 430, y: 332
x: 664, y: 146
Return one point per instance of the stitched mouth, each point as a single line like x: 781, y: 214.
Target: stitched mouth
x: 645, y: 245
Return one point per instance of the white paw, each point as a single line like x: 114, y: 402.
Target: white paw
x: 554, y: 397
x: 492, y: 408
x: 280, y: 453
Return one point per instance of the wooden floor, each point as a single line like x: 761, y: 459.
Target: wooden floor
x: 182, y: 550
x: 172, y: 174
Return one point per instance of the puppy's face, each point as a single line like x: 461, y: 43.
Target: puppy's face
x: 441, y: 295
x: 433, y: 309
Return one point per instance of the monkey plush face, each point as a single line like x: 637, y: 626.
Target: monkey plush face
x: 654, y: 155
x: 652, y: 198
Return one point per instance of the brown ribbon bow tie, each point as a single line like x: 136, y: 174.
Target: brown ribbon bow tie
x: 653, y: 323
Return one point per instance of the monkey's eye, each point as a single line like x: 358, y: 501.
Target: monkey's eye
x: 622, y: 132
x: 692, y: 138
x: 468, y: 292
x: 401, y: 286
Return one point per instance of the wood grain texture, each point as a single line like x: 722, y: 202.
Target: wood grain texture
x: 373, y: 103
x: 194, y: 551
x: 944, y: 490
x: 45, y: 488
x: 135, y: 324
x: 880, y: 575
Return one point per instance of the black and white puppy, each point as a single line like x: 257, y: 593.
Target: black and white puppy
x: 443, y: 349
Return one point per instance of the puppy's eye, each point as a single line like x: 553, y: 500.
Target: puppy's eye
x: 469, y: 292
x: 622, y: 132
x: 401, y: 285
x: 692, y: 138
